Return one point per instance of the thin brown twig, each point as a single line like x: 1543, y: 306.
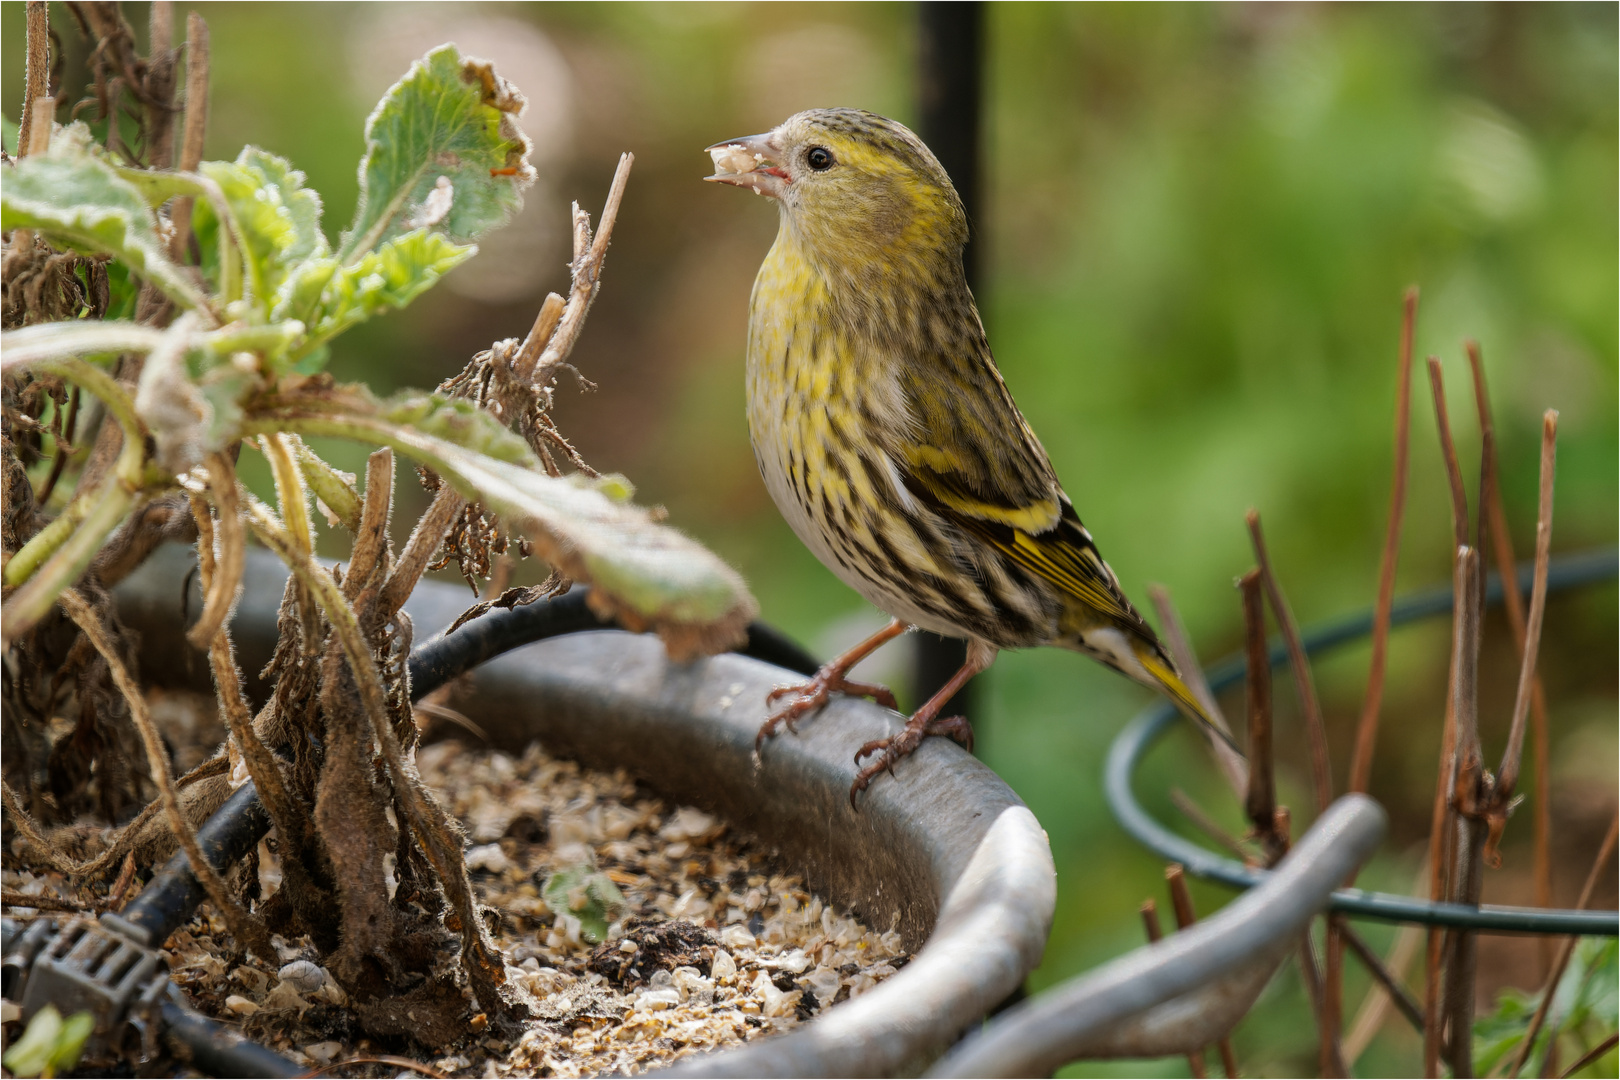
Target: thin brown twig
x: 545, y: 324
x: 1592, y: 1055
x: 1566, y: 949
x: 36, y: 77
x: 196, y: 126
x: 245, y: 927
x: 13, y: 898
x: 424, y: 541
x: 1181, y: 900
x: 1260, y: 802
x: 1448, y: 449
x: 1155, y: 932
x: 371, y: 539
x: 1367, y: 726
x: 1192, y: 673
x: 1304, y: 682
x: 1509, y: 772
x: 587, y: 274
x: 1376, y: 1005
x: 1501, y: 540
x: 1397, y: 993
x: 1206, y: 824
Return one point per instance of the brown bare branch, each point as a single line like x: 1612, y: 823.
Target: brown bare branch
x: 589, y: 254
x: 196, y: 127
x: 545, y: 324
x: 425, y: 540
x: 371, y: 540
x: 1260, y: 803
x: 1509, y: 773
x: 1205, y: 823
x: 1367, y: 726
x: 1181, y: 900
x: 1501, y: 542
x: 1315, y: 729
x: 1448, y: 449
x: 1397, y: 993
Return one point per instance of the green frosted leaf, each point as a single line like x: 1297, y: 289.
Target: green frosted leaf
x: 276, y: 218
x: 390, y: 277
x: 77, y: 200
x: 586, y: 894
x: 443, y: 151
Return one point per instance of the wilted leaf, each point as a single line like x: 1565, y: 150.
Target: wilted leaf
x: 77, y: 200
x: 644, y: 573
x: 589, y: 896
x: 449, y: 118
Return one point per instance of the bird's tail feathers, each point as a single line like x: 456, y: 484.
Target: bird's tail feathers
x: 1177, y: 691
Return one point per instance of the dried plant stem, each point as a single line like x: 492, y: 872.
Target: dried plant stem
x: 1375, y: 1006
x: 37, y: 75
x: 285, y: 812
x: 1367, y: 727
x: 1181, y: 900
x: 1205, y: 823
x: 219, y: 587
x: 1315, y: 729
x: 1260, y: 802
x: 1501, y: 542
x: 1509, y: 772
x: 545, y: 324
x: 293, y: 501
x: 121, y: 847
x: 370, y: 550
x: 1192, y: 673
x: 424, y: 541
x: 1566, y: 949
x: 243, y: 926
x: 589, y: 253
x: 196, y: 126
x: 1592, y: 1055
x: 1155, y: 932
x: 425, y: 818
x: 1448, y: 449
x: 11, y: 898
x: 1395, y: 992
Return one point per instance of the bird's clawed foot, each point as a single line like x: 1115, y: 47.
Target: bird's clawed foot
x: 807, y: 697
x: 898, y: 746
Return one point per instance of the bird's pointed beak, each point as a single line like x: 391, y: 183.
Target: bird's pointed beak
x: 752, y: 162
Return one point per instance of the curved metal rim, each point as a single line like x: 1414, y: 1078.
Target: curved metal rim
x: 1132, y: 745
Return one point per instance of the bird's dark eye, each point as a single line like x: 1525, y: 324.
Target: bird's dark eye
x: 819, y: 158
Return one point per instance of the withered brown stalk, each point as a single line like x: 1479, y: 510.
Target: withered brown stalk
x: 1367, y: 727
x: 1181, y: 901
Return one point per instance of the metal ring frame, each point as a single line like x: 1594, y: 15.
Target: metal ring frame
x: 1133, y: 743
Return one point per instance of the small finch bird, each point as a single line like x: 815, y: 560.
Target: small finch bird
x: 887, y: 437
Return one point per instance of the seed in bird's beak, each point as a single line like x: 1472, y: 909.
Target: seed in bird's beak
x: 750, y: 163
x: 734, y: 158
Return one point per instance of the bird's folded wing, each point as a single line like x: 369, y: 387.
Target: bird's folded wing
x: 1045, y: 538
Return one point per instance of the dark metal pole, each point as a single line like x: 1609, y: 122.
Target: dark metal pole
x: 949, y: 90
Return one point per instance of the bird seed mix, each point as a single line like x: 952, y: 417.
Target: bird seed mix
x: 642, y: 932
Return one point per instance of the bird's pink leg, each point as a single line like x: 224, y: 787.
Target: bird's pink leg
x: 925, y: 722
x: 813, y: 694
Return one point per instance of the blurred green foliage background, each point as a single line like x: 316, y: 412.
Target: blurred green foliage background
x: 1198, y: 226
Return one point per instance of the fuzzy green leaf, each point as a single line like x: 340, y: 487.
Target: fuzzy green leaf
x: 277, y: 219
x: 443, y: 151
x: 390, y: 277
x: 78, y: 200
x: 585, y: 893
x: 50, y: 1046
